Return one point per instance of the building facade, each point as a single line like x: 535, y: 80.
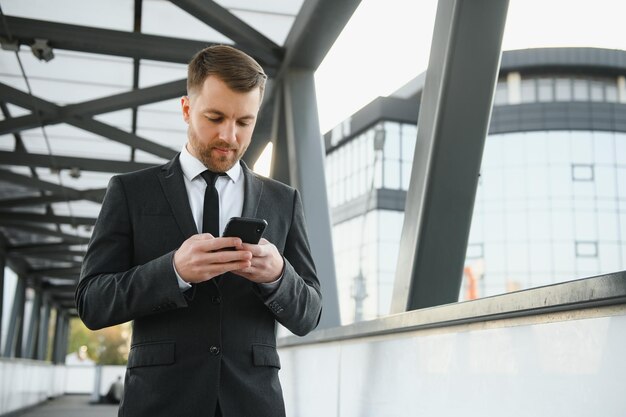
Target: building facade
x: 551, y: 201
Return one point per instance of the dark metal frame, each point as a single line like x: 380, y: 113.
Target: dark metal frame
x: 452, y: 126
x: 314, y: 31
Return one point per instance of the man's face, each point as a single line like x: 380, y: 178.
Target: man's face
x: 220, y: 122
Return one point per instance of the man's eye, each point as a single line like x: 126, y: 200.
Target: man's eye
x: 214, y: 119
x: 243, y: 124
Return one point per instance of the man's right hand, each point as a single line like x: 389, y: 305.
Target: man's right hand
x: 200, y: 259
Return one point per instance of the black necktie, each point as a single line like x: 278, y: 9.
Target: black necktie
x: 211, y: 212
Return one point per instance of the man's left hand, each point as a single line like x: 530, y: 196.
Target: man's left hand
x: 266, y: 264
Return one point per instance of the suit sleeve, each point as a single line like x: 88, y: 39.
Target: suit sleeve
x: 297, y: 301
x: 112, y: 290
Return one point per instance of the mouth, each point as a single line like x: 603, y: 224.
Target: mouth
x: 223, y: 151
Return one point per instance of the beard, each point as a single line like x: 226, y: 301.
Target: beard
x: 204, y: 152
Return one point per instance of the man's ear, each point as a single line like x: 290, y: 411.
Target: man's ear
x: 185, y: 107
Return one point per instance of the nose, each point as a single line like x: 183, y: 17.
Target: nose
x: 228, y: 132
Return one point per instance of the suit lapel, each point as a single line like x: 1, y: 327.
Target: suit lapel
x: 171, y: 177
x: 253, y: 189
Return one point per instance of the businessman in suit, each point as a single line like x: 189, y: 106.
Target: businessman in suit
x: 203, y: 317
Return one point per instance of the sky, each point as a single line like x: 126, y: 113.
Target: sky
x: 387, y: 42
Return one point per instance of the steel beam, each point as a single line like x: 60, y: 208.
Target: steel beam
x: 102, y: 41
x: 123, y: 137
x: 36, y: 248
x: 13, y: 344
x: 115, y: 102
x: 36, y: 183
x: 315, y: 30
x: 12, y: 224
x: 70, y: 256
x: 56, y: 272
x: 245, y: 36
x: 22, y: 99
x: 68, y: 162
x: 95, y: 195
x: 48, y: 218
x: 452, y: 126
x: 306, y: 166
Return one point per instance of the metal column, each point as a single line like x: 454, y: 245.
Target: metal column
x: 13, y: 346
x: 453, y: 122
x: 306, y: 171
x: 3, y: 260
x: 65, y: 327
x: 280, y: 158
x: 44, y: 329
x: 33, y: 328
x: 56, y: 338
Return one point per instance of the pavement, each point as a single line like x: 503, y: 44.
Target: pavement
x: 70, y: 406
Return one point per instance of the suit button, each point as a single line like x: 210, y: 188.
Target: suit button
x: 214, y: 350
x: 216, y: 299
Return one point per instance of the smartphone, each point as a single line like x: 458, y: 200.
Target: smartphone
x: 249, y: 229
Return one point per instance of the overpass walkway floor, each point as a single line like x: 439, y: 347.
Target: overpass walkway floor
x: 70, y: 406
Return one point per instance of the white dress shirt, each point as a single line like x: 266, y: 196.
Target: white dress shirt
x: 230, y: 188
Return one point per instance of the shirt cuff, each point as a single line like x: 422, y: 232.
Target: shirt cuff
x: 182, y: 284
x: 271, y: 286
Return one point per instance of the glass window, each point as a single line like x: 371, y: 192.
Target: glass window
x: 529, y: 94
x: 585, y: 225
x: 517, y: 258
x: 539, y: 225
x: 604, y: 178
x: 392, y: 173
x: 603, y: 148
x: 392, y: 140
x: 558, y: 147
x: 597, y: 91
x: 620, y: 148
x: 586, y: 249
x: 563, y: 259
x: 562, y: 222
x: 582, y: 172
x: 610, y: 91
x: 563, y: 89
x: 501, y: 96
x: 378, y: 173
x: 537, y: 182
x: 406, y: 174
x: 609, y: 257
x: 581, y: 90
x: 474, y: 251
x: 581, y: 144
x: 545, y: 91
x: 409, y: 138
x: 608, y: 227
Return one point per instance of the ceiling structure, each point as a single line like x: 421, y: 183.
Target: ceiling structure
x: 91, y: 89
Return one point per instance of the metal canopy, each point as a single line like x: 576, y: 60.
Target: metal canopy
x: 100, y: 97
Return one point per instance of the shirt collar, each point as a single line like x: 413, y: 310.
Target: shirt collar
x: 192, y: 167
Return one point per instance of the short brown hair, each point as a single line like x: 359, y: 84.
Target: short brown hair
x: 237, y: 69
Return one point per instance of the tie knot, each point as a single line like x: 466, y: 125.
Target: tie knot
x: 211, y: 177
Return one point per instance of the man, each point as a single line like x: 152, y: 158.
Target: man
x: 203, y: 318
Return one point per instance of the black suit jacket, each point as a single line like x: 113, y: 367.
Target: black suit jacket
x: 212, y: 341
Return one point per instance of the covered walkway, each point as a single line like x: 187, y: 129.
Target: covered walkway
x: 555, y: 350
x: 70, y: 406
